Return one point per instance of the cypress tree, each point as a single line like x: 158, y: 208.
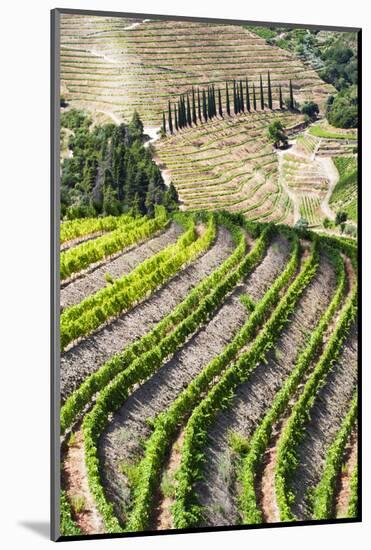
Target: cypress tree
x: 254, y: 96
x: 199, y: 106
x: 184, y: 114
x: 194, y: 116
x: 270, y: 103
x: 234, y: 98
x: 180, y: 122
x: 248, y: 106
x: 163, y: 122
x: 220, y: 103
x: 176, y: 119
x: 204, y: 106
x: 241, y: 97
x: 238, y: 100
x: 280, y: 96
x: 291, y: 103
x: 189, y: 115
x: 227, y: 104
x: 208, y: 103
x: 170, y: 120
x: 261, y: 94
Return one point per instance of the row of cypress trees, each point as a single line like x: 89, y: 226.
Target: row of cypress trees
x: 207, y: 104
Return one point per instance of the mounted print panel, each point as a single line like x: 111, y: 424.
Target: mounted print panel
x: 205, y: 268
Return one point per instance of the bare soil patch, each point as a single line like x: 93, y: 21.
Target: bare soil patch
x: 74, y: 476
x: 343, y: 489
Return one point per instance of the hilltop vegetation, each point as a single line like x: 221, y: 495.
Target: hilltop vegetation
x: 334, y: 56
x: 109, y: 171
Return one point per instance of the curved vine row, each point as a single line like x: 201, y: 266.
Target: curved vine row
x: 88, y: 315
x: 286, y: 456
x: 186, y: 511
x: 98, y: 380
x: 260, y: 439
x: 115, y: 393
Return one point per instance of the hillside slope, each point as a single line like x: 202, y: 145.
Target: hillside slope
x: 114, y: 65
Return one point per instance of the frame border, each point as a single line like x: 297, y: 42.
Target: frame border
x: 55, y: 481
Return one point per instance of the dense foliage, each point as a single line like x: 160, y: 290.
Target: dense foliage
x: 109, y: 171
x: 333, y: 55
x: 342, y: 110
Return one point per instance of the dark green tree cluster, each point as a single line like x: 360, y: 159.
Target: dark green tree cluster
x: 193, y: 108
x: 110, y: 171
x: 342, y: 109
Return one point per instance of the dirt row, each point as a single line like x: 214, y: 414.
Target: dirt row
x: 329, y: 410
x: 217, y: 493
x: 343, y: 486
x: 78, y: 240
x: 122, y: 442
x: 90, y: 354
x: 93, y: 281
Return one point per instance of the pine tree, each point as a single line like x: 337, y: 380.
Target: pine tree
x: 227, y: 104
x: 291, y: 100
x: 261, y: 94
x: 248, y: 106
x: 199, y: 105
x: 163, y: 122
x: 254, y: 96
x: 170, y: 120
x: 176, y: 119
x: 270, y: 102
x: 280, y: 96
x: 241, y: 97
x: 220, y: 103
x: 194, y: 116
x: 189, y: 114
x: 204, y: 105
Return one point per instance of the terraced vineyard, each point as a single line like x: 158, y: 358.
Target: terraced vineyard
x: 208, y: 299
x: 112, y: 66
x: 194, y: 356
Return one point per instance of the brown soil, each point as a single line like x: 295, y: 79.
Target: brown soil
x: 162, y: 517
x: 265, y: 481
x: 343, y: 490
x: 75, y: 479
